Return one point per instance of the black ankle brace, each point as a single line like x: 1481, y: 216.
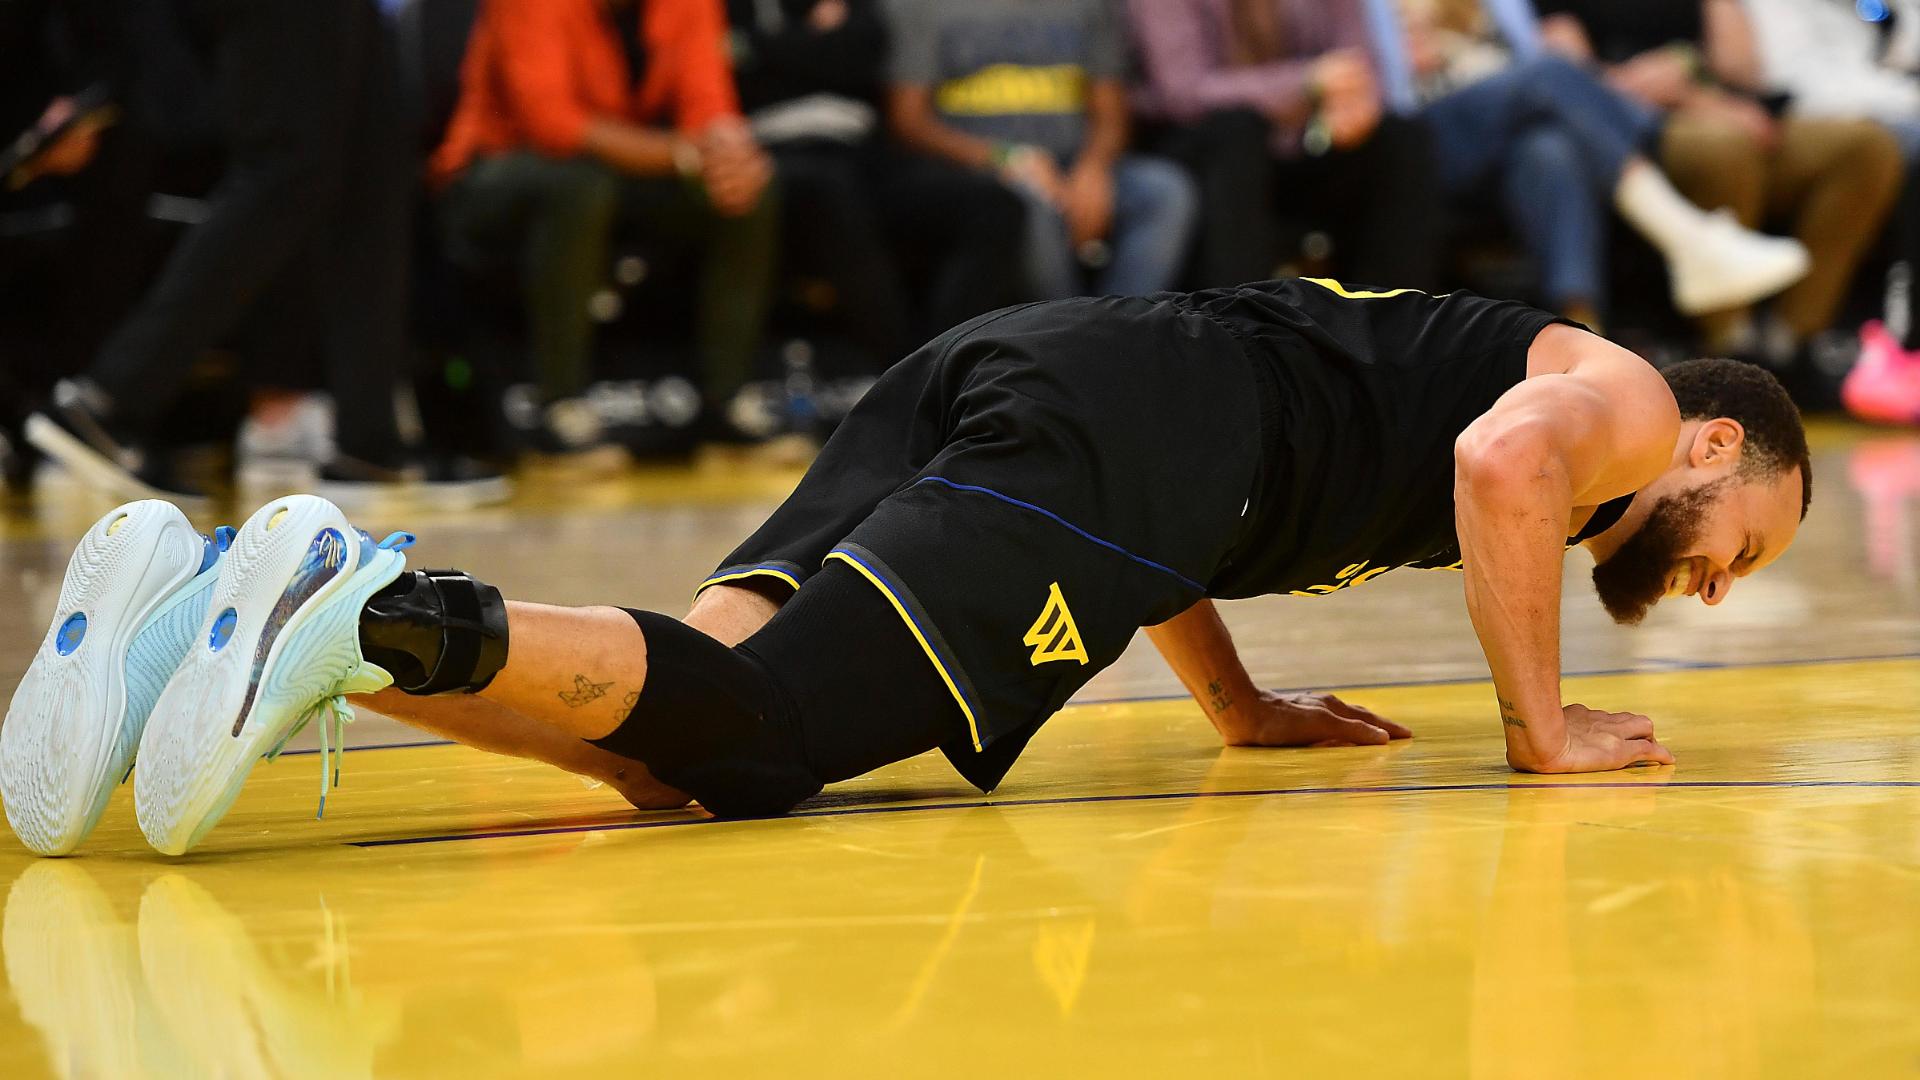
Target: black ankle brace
x: 436, y: 632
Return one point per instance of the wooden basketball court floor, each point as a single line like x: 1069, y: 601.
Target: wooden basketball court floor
x: 1134, y: 901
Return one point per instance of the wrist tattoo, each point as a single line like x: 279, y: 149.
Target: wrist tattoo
x: 1509, y: 715
x: 585, y: 691
x: 1217, y: 697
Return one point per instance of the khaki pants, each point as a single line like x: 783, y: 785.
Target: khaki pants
x: 1832, y: 182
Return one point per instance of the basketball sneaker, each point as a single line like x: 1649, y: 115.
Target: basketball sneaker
x: 1726, y: 265
x: 136, y: 591
x: 280, y: 647
x: 1884, y: 384
x: 78, y: 430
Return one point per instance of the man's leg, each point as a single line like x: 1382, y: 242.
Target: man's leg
x: 749, y: 731
x: 1052, y: 267
x: 963, y: 227
x: 1154, y: 208
x: 737, y: 260
x: 728, y: 614
x: 283, y: 130
x: 1717, y: 165
x: 1550, y: 200
x: 1230, y: 155
x: 1836, y: 180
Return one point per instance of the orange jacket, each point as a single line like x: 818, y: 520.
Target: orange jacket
x: 536, y: 71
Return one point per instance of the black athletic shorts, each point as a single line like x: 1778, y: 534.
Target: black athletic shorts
x: 1027, y: 491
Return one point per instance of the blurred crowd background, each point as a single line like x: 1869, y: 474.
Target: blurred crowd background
x: 410, y: 246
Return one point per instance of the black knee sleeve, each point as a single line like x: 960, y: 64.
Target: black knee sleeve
x: 713, y: 722
x: 436, y: 631
x: 833, y: 687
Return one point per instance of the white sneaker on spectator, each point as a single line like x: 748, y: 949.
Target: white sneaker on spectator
x: 1728, y: 265
x: 283, y: 447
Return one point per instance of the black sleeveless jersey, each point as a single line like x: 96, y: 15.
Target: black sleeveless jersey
x: 1363, y: 393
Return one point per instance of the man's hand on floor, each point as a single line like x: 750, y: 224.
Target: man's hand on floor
x: 1278, y: 719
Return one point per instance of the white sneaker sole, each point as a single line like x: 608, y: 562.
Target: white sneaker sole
x: 289, y: 595
x: 68, y: 739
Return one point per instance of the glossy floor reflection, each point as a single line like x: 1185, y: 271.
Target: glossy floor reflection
x: 1135, y: 901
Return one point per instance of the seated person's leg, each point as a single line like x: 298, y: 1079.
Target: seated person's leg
x: 551, y: 219
x: 1230, y: 155
x: 1052, y: 266
x: 1836, y: 181
x: 1155, y: 206
x: 1395, y: 212
x: 737, y: 253
x: 965, y: 227
x: 832, y: 232
x: 1551, y: 202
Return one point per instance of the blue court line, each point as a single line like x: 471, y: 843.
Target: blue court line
x: 1077, y: 800
x: 1651, y: 666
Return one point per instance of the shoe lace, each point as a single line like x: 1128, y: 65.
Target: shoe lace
x: 333, y: 712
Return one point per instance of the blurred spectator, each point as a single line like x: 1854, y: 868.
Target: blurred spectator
x: 580, y: 118
x: 1832, y: 61
x: 1833, y: 180
x: 1556, y: 147
x: 1277, y: 106
x: 811, y: 74
x: 1033, y: 90
x: 311, y: 215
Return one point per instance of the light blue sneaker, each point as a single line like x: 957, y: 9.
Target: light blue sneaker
x: 280, y: 646
x: 136, y: 591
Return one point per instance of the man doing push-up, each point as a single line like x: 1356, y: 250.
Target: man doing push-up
x: 983, y: 534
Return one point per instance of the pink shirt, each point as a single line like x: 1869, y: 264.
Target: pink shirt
x: 1183, y: 45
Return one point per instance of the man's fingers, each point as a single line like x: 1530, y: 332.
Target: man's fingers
x: 1632, y: 726
x: 1359, y: 732
x: 1648, y: 751
x: 1357, y: 712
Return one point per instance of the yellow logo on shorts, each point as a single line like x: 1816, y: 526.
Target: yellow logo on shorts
x: 1054, y: 636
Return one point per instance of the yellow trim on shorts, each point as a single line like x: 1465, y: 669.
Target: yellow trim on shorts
x: 973, y: 729
x: 758, y: 571
x: 1355, y: 294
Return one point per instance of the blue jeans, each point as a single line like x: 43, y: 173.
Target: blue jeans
x: 1155, y: 206
x: 1551, y: 140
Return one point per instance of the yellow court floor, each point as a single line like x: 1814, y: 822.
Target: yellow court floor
x: 1134, y: 901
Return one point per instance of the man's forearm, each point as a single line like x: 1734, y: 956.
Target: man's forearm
x: 917, y: 127
x: 1511, y: 522
x: 1107, y: 127
x: 638, y: 151
x: 1200, y: 651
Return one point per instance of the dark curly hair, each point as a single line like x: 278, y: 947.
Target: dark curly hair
x: 1776, y: 441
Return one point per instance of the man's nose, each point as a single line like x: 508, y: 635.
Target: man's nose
x: 1719, y: 584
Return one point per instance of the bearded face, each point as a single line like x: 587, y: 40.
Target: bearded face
x: 1637, y: 575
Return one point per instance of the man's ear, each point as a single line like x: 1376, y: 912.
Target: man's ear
x: 1718, y: 442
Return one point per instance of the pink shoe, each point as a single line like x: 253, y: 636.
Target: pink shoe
x: 1884, y: 385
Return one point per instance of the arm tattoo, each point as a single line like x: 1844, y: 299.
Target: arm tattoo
x: 1217, y: 696
x: 585, y: 691
x: 1509, y: 715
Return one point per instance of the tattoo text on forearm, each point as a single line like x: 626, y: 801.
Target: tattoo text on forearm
x: 1509, y: 715
x: 1218, y: 698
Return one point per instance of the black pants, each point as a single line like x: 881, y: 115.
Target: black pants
x: 833, y: 229
x: 960, y: 232
x: 556, y: 218
x: 1378, y: 199
x: 315, y: 203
